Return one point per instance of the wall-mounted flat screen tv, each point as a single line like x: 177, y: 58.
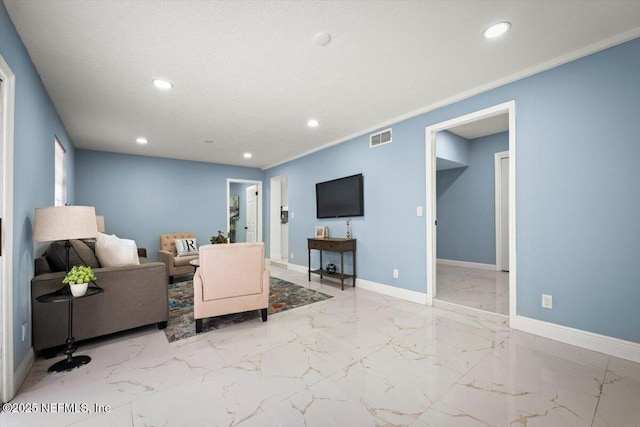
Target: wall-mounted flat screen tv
x: 338, y: 198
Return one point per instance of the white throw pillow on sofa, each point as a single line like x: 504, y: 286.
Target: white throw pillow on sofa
x: 115, y: 252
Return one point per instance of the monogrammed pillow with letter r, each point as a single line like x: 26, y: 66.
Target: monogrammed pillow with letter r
x: 186, y: 247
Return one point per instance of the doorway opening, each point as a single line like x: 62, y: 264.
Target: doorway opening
x: 470, y: 165
x: 244, y: 210
x: 279, y: 223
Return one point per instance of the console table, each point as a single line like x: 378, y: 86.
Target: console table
x: 333, y: 245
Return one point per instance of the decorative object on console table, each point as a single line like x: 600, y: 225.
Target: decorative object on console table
x: 333, y: 245
x: 319, y: 232
x: 66, y: 223
x: 348, y: 230
x: 331, y: 268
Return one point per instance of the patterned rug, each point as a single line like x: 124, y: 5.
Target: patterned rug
x: 283, y: 296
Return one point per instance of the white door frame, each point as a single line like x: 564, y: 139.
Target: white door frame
x: 430, y: 143
x: 275, y: 233
x: 7, y: 384
x: 498, y: 196
x: 258, y: 184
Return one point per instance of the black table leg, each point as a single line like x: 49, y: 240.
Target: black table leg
x: 71, y: 362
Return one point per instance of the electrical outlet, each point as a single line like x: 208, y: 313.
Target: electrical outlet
x: 291, y: 255
x: 419, y: 211
x: 291, y: 215
x: 24, y: 331
x: 395, y: 273
x: 547, y: 301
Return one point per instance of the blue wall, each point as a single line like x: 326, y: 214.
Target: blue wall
x: 390, y: 235
x: 466, y: 204
x: 143, y: 197
x: 36, y: 126
x: 452, y: 151
x: 578, y: 204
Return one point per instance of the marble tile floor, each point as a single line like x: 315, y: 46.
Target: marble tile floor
x: 482, y: 289
x: 358, y: 359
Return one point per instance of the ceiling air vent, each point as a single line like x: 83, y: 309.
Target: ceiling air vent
x: 380, y: 138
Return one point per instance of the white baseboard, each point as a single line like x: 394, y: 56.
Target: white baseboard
x: 20, y: 374
x: 276, y: 255
x: 466, y: 264
x: 601, y: 343
x: 392, y: 291
x: 471, y: 311
x: 298, y: 268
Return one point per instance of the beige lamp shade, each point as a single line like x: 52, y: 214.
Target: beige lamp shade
x: 100, y: 223
x: 64, y: 223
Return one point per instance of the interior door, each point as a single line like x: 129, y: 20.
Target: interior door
x: 504, y: 212
x: 252, y: 212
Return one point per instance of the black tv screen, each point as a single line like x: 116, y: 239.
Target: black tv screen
x: 343, y: 197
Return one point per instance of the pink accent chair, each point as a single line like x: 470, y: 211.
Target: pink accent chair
x: 231, y: 278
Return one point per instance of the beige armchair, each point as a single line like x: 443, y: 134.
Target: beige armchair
x: 176, y: 266
x: 231, y: 279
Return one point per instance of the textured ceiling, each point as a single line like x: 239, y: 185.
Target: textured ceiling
x: 248, y: 76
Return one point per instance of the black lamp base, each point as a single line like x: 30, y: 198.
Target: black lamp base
x: 69, y: 364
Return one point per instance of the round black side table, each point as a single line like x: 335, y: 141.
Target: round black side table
x: 64, y: 295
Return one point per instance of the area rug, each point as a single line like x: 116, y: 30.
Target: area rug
x: 283, y: 296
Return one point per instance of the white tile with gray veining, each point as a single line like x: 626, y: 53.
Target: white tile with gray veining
x: 482, y: 289
x: 358, y: 359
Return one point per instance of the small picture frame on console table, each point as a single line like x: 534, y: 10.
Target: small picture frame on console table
x: 319, y: 232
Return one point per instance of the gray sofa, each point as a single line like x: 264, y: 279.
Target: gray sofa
x: 133, y: 296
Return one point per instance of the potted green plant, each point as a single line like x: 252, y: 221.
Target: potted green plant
x: 220, y: 238
x: 78, y: 279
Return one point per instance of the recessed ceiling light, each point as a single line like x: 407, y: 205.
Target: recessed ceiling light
x: 209, y: 141
x: 322, y: 39
x: 496, y: 30
x: 142, y: 140
x: 162, y: 84
x: 312, y: 123
x: 247, y: 155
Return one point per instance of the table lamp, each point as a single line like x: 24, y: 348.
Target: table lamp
x: 64, y: 223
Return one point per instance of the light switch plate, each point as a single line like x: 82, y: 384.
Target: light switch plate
x: 547, y: 301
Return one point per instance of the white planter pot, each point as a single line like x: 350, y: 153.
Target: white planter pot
x: 79, y: 290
